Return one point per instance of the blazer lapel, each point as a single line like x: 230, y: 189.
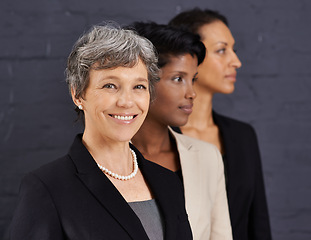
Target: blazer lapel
x: 192, y: 176
x: 161, y: 189
x: 104, y: 191
x: 229, y: 145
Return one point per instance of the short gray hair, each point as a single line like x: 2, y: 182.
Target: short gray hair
x: 109, y: 46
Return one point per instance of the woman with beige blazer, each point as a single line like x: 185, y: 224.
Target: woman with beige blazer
x: 204, y: 187
x: 198, y: 164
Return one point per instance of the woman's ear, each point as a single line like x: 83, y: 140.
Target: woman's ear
x: 77, y: 101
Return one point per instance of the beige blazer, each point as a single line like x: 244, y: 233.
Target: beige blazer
x: 205, y: 191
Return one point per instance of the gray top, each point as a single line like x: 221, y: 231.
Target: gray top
x: 149, y: 214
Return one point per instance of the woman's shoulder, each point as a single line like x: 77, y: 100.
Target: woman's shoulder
x: 197, y: 144
x: 226, y: 123
x: 57, y: 169
x: 193, y: 149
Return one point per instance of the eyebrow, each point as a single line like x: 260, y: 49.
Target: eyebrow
x: 178, y: 72
x: 142, y: 79
x: 183, y: 73
x: 225, y: 43
x: 111, y: 77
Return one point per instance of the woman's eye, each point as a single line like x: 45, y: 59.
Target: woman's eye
x: 221, y: 51
x: 140, y: 87
x: 194, y: 79
x: 177, y: 79
x: 109, y: 85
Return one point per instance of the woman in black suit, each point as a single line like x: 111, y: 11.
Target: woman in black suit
x: 236, y: 140
x: 104, y: 188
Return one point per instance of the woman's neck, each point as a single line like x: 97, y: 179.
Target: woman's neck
x: 113, y: 155
x: 200, y: 124
x: 201, y: 116
x: 154, y: 141
x: 152, y: 137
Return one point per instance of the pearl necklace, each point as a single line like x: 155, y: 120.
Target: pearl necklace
x: 120, y: 177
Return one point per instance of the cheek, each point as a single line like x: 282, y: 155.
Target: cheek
x: 146, y: 105
x: 161, y: 105
x: 203, y: 74
x: 205, y: 69
x: 103, y: 102
x: 217, y: 67
x: 157, y: 104
x: 161, y: 92
x: 143, y: 102
x: 212, y: 69
x: 171, y: 97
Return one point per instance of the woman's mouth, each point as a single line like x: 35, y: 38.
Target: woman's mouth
x: 231, y: 77
x: 121, y: 117
x: 186, y: 108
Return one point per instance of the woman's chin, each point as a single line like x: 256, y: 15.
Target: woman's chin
x: 179, y: 123
x: 228, y: 90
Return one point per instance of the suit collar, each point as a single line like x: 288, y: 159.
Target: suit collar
x: 104, y: 191
x: 156, y: 178
x: 99, y: 185
x: 222, y: 125
x: 182, y: 141
x: 229, y: 144
x: 192, y: 175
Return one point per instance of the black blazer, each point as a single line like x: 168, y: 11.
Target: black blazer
x: 244, y: 180
x: 71, y: 198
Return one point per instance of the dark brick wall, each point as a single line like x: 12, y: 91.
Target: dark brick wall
x: 273, y: 90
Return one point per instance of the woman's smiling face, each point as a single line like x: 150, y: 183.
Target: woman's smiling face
x: 174, y: 92
x: 116, y: 102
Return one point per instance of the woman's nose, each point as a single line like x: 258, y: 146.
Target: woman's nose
x: 236, y: 61
x: 190, y: 93
x: 125, y: 99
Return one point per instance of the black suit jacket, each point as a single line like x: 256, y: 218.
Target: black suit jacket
x: 244, y: 180
x: 71, y: 198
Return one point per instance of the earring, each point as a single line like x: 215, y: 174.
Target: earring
x: 80, y: 107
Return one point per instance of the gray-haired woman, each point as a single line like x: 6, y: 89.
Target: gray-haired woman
x: 104, y: 188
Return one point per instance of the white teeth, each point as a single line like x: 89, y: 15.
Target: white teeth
x: 123, y: 117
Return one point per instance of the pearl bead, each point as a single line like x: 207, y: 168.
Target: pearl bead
x: 120, y: 177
